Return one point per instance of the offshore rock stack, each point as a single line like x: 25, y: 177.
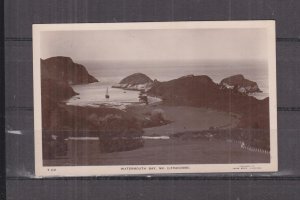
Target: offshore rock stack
x: 240, y: 84
x: 137, y: 81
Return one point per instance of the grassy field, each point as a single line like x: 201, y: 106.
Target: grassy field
x: 174, y: 150
x: 185, y: 118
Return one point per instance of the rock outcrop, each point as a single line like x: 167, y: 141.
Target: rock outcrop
x: 64, y: 69
x: 240, y: 83
x: 188, y: 90
x: 137, y: 81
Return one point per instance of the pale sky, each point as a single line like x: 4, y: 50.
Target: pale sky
x: 157, y: 45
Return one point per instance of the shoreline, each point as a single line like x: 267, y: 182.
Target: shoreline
x: 184, y: 118
x: 122, y: 104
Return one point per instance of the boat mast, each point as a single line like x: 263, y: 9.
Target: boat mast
x: 107, y: 95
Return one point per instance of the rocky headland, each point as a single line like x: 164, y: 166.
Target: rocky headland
x: 240, y: 83
x: 201, y: 91
x: 137, y: 81
x: 64, y: 69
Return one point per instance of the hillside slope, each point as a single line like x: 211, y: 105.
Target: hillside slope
x: 201, y: 91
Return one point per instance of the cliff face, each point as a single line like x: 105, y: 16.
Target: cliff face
x: 56, y: 90
x: 137, y: 81
x: 57, y: 73
x: 240, y: 83
x: 61, y: 121
x: 52, y: 93
x: 56, y: 76
x: 201, y: 91
x: 64, y: 69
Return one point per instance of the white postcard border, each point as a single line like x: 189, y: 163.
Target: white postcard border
x: 46, y: 171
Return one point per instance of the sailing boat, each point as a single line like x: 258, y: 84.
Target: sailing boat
x: 107, y: 95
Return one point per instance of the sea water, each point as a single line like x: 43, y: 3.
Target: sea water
x: 93, y: 94
x: 110, y: 74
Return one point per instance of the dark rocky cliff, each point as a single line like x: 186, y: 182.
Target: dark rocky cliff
x: 57, y: 73
x: 64, y: 69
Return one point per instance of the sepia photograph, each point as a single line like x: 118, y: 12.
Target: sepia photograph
x: 154, y: 98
